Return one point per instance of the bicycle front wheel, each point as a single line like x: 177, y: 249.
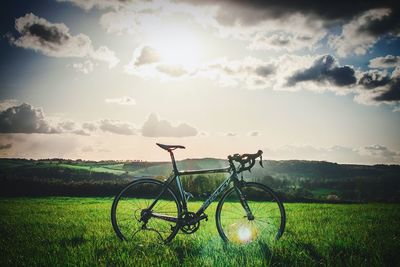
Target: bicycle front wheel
x: 269, y: 219
x: 134, y: 200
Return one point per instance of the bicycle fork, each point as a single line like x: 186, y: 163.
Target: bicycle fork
x: 243, y: 202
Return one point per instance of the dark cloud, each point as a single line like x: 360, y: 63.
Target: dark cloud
x: 50, y: 38
x: 154, y: 127
x: 381, y: 87
x: 392, y: 93
x: 54, y: 39
x: 250, y: 12
x: 325, y: 69
x: 5, y: 146
x: 265, y: 71
x: 373, y: 79
x: 24, y: 119
x: 46, y: 34
x: 389, y: 24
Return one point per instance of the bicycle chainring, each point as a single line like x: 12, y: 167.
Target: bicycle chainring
x: 187, y: 226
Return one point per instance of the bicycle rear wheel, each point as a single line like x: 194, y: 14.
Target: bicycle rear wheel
x: 269, y: 219
x: 133, y: 200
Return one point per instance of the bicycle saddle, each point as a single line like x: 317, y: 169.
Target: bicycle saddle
x: 169, y: 147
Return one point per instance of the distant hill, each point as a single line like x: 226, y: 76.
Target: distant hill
x: 296, y: 178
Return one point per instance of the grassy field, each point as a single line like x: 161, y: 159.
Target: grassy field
x: 77, y: 231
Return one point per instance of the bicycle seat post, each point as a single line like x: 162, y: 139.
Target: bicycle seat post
x: 173, y: 161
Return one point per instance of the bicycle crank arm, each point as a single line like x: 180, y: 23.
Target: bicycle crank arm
x: 197, y: 219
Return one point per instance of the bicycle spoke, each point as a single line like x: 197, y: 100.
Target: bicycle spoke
x: 236, y: 227
x: 131, y: 207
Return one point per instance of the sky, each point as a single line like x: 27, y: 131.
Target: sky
x: 107, y: 79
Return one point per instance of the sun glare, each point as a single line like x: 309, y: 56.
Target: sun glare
x: 178, y: 45
x: 242, y: 233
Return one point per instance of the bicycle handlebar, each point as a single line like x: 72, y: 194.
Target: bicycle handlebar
x: 244, y: 159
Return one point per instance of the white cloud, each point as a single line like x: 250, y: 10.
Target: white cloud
x: 84, y: 67
x: 355, y: 39
x: 154, y: 127
x: 381, y: 152
x: 372, y: 154
x: 388, y: 61
x: 8, y: 103
x: 54, y: 39
x: 125, y: 101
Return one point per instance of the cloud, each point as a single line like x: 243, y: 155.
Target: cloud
x: 372, y: 79
x: 54, y: 39
x: 117, y: 127
x: 124, y: 101
x: 273, y: 25
x: 89, y: 126
x: 377, y: 87
x: 172, y: 70
x: 372, y: 154
x: 24, y: 119
x: 99, y: 4
x: 286, y: 39
x: 380, y: 151
x: 236, y: 12
x: 8, y: 103
x: 27, y: 119
x: 392, y: 93
x: 5, y: 146
x: 254, y: 133
x: 146, y: 55
x: 252, y: 72
x: 147, y: 62
x: 361, y: 33
x: 84, y: 67
x: 388, y: 61
x: 325, y: 70
x: 154, y: 127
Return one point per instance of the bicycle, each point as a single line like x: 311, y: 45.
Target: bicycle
x: 148, y: 209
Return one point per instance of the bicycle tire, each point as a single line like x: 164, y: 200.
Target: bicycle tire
x: 238, y: 228
x: 148, y: 188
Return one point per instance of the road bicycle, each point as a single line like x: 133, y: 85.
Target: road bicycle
x: 153, y: 210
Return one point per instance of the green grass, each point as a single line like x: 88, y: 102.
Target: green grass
x: 78, y: 232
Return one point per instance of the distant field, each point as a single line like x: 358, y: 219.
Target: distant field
x: 77, y: 231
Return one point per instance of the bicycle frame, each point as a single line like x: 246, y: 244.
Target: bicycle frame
x: 175, y: 176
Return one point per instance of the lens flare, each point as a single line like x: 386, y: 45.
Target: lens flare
x: 242, y: 233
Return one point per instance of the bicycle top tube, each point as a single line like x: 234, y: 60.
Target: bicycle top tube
x: 190, y: 172
x: 246, y: 161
